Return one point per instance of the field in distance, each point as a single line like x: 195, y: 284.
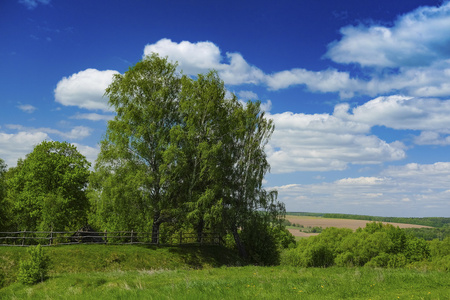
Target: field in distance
x: 316, y: 221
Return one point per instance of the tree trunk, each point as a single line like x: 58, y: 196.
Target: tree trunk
x: 155, y: 228
x: 200, y: 226
x: 237, y: 239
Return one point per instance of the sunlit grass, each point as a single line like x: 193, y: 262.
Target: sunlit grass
x: 240, y: 283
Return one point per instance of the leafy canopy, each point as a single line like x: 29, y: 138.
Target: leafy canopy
x: 47, y: 189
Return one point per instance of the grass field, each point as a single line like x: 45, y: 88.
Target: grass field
x: 240, y: 283
x: 192, y: 272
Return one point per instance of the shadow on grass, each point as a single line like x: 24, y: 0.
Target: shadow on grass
x: 199, y: 256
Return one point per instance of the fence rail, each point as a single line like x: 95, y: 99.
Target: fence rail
x: 50, y: 238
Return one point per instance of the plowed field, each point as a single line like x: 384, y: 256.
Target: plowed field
x: 339, y: 223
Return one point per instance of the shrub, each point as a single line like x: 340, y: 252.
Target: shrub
x: 34, y: 269
x: 319, y: 255
x: 380, y: 261
x: 260, y: 243
x: 284, y: 238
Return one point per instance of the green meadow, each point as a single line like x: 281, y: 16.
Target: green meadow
x: 213, y: 272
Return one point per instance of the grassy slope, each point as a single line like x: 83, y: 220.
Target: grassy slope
x: 191, y: 272
x: 101, y: 258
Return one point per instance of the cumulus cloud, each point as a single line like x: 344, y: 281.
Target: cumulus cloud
x: 400, y: 112
x: 323, y: 81
x: 432, y: 138
x: 200, y: 57
x: 192, y: 58
x: 414, y: 50
x: 323, y: 142
x: 416, y: 39
x: 409, y: 190
x: 27, y: 108
x: 16, y: 145
x: 85, y: 89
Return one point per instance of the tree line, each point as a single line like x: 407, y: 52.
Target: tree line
x: 178, y: 155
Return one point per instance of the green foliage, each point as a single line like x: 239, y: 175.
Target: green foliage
x: 429, y: 234
x: 440, y: 248
x: 117, y: 200
x: 316, y: 251
x: 47, y: 189
x: 146, y: 272
x: 376, y: 245
x: 259, y: 240
x: 145, y: 99
x: 284, y: 238
x: 180, y: 155
x: 34, y: 269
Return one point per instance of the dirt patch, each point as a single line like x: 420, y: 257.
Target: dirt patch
x: 339, y: 223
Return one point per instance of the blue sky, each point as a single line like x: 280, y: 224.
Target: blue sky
x: 358, y: 90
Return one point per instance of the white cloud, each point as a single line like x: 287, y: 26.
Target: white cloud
x: 200, y: 57
x: 323, y: 142
x: 409, y: 190
x: 400, y: 112
x: 414, y: 50
x: 416, y: 39
x: 76, y: 133
x: 418, y: 74
x: 89, y: 152
x: 360, y: 181
x: 93, y: 117
x: 85, y: 89
x: 17, y: 145
x: 323, y: 81
x: 436, y: 176
x: 432, y: 138
x: 27, y: 108
x: 192, y: 58
x: 32, y: 4
x: 248, y: 95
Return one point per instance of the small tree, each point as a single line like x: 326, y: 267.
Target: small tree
x: 34, y: 269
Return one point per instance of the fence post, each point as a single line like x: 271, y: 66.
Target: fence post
x: 23, y: 237
x: 51, y: 235
x: 131, y: 236
x: 106, y: 236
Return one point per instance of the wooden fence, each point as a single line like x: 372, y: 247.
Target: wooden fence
x: 50, y: 238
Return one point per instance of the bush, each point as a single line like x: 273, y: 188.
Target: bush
x: 261, y: 244
x: 376, y: 245
x: 318, y: 255
x: 34, y: 269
